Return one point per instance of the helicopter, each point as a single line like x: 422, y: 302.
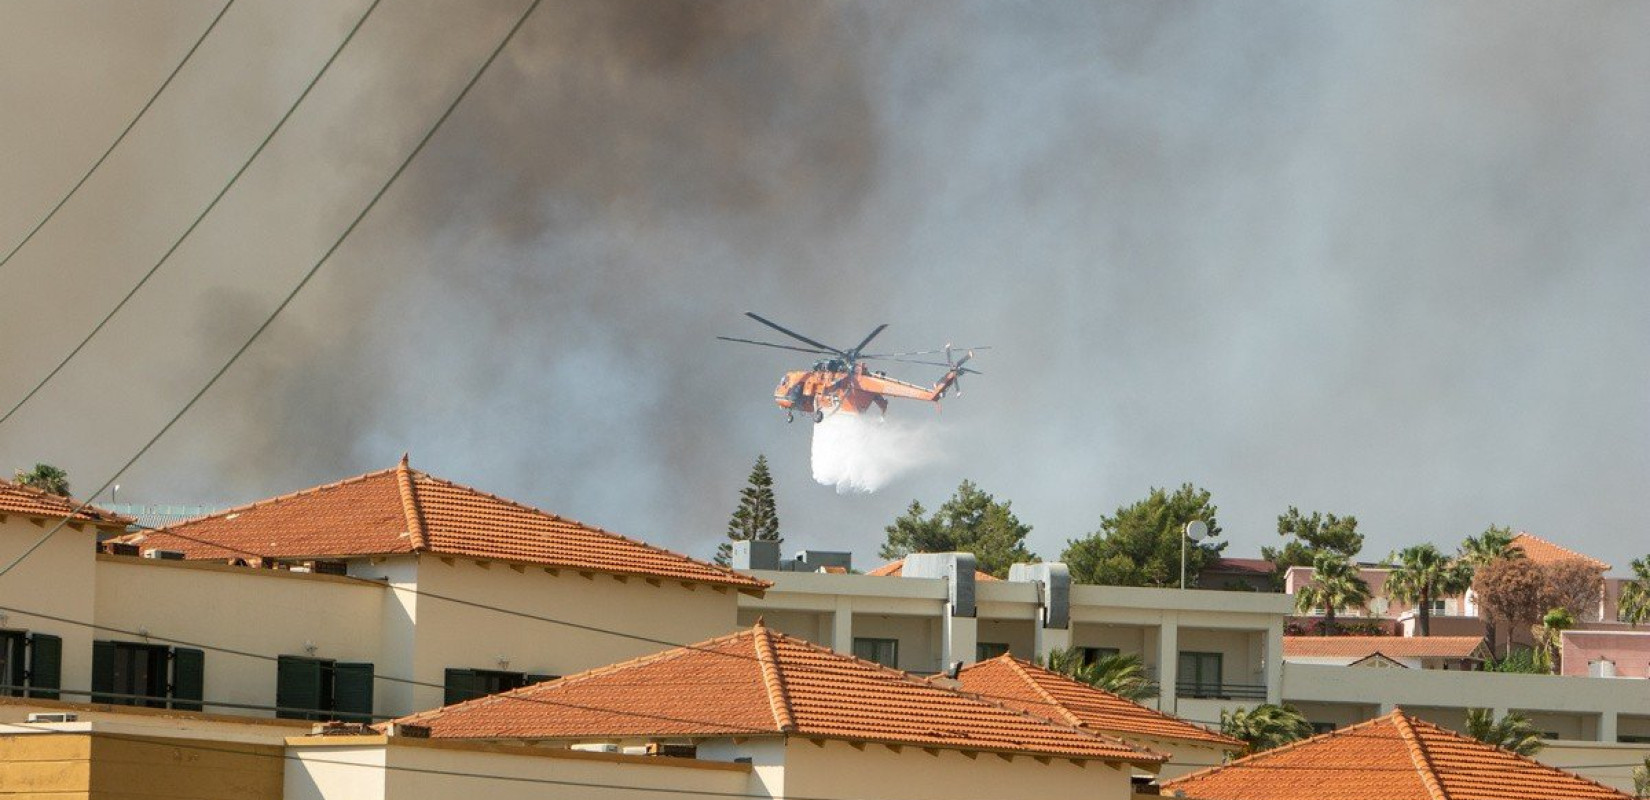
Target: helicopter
x: 841, y: 382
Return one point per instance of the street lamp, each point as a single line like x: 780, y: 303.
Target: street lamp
x: 1195, y: 530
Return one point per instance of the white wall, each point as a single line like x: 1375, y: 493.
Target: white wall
x: 56, y: 580
x: 878, y: 773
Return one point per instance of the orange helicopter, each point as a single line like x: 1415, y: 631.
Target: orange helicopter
x: 843, y: 383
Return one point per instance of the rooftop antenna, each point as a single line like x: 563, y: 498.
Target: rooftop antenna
x: 1196, y: 530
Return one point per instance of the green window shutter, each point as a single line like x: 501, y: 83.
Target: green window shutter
x: 297, y: 687
x: 103, y: 673
x: 45, y: 665
x: 17, y: 666
x: 352, y: 691
x: 462, y: 684
x: 537, y: 678
x: 188, y: 678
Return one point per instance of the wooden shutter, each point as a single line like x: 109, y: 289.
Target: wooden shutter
x: 461, y: 685
x: 297, y: 687
x: 352, y: 691
x: 103, y: 673
x: 188, y: 678
x: 17, y: 665
x: 45, y: 665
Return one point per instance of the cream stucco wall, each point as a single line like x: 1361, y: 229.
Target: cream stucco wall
x: 1608, y: 763
x: 56, y: 580
x: 257, y: 611
x: 837, y: 769
x: 374, y: 768
x: 452, y: 634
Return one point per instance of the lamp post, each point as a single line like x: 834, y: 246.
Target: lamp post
x: 1194, y: 531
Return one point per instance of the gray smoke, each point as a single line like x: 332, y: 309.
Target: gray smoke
x: 1378, y: 260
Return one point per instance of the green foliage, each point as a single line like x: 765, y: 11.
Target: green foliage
x: 1265, y: 726
x: 1123, y: 674
x: 1641, y: 779
x: 46, y: 478
x: 1524, y: 661
x: 1494, y: 543
x: 755, y: 517
x: 970, y: 522
x: 1139, y: 545
x: 1553, y: 623
x: 1312, y: 536
x: 1422, y: 574
x: 1634, y: 603
x: 1335, y: 585
x: 1514, y: 732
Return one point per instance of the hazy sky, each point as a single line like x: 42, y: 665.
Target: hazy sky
x: 1389, y: 260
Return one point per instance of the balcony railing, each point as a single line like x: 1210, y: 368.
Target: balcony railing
x: 1220, y: 691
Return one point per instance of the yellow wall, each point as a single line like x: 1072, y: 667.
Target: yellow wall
x: 98, y: 765
x: 839, y: 770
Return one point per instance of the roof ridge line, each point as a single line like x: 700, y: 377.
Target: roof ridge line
x: 1037, y: 686
x: 1155, y: 712
x: 1280, y: 749
x: 585, y: 525
x: 268, y: 501
x: 409, y: 505
x: 779, y: 701
x: 75, y: 507
x: 1436, y: 728
x: 1418, y: 754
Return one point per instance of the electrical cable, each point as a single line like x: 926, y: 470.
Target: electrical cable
x: 118, y: 139
x: 199, y: 218
x: 304, y: 281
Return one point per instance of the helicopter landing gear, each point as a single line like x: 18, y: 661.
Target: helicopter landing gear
x: 789, y: 417
x: 819, y: 416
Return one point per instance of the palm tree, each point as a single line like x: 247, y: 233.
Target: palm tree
x: 1423, y: 574
x: 1335, y: 585
x: 1494, y: 544
x: 1634, y: 603
x: 1514, y: 732
x: 1265, y: 726
x: 1122, y: 674
x: 1554, y: 623
x: 1641, y: 779
x: 46, y: 478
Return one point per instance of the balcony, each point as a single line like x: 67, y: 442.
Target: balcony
x: 1221, y: 691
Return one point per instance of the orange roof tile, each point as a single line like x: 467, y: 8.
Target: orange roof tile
x: 1021, y: 684
x: 761, y: 682
x: 403, y: 510
x: 16, y: 498
x: 1394, y: 757
x: 897, y: 569
x: 1542, y: 551
x: 1389, y: 646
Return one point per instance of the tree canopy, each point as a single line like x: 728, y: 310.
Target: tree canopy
x: 1265, y: 726
x: 1310, y: 536
x: 1335, y: 585
x: 1512, y: 589
x: 755, y: 518
x: 46, y: 478
x: 1122, y: 674
x: 972, y: 521
x: 1635, y: 594
x: 1513, y: 732
x: 1139, y: 544
x: 1421, y: 574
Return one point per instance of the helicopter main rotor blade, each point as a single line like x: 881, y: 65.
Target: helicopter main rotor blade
x: 922, y: 352
x: 867, y: 340
x: 793, y: 334
x: 780, y: 346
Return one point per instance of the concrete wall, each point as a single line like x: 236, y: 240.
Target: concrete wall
x: 837, y: 769
x: 262, y: 611
x: 451, y: 634
x: 373, y: 768
x: 56, y: 580
x: 919, y: 638
x: 1608, y: 763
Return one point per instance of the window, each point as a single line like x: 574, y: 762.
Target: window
x: 31, y: 664
x: 1322, y: 727
x: 1199, y: 674
x: 882, y: 651
x: 987, y: 650
x: 318, y: 688
x: 153, y: 675
x: 468, y: 684
x: 1094, y: 654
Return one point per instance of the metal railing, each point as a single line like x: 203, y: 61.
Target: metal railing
x: 1220, y: 691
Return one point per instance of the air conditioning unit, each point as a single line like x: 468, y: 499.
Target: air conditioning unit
x: 167, y: 555
x: 53, y: 716
x: 596, y: 747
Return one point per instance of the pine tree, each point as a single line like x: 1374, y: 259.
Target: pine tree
x: 972, y: 521
x: 755, y: 517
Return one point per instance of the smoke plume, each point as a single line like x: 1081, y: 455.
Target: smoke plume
x: 862, y: 453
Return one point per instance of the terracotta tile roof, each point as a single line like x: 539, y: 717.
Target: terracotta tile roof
x: 1389, y: 646
x: 1023, y: 685
x: 897, y: 569
x: 16, y: 498
x: 761, y: 682
x: 1395, y: 757
x: 1542, y: 551
x: 403, y: 510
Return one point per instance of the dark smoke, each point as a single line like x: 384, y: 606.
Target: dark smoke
x: 1378, y: 260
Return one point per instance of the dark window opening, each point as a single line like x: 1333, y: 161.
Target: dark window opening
x: 152, y: 675
x: 468, y: 684
x: 1200, y: 674
x: 1092, y: 655
x: 323, y: 689
x: 881, y: 651
x: 989, y: 650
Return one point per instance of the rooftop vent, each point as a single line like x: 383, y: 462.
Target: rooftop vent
x: 165, y: 555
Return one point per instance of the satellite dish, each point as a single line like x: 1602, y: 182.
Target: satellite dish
x: 1196, y: 530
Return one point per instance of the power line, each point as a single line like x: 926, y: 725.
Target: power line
x: 118, y: 139
x: 419, y: 148
x: 199, y: 218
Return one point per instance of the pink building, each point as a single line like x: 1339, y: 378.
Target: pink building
x: 1606, y: 653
